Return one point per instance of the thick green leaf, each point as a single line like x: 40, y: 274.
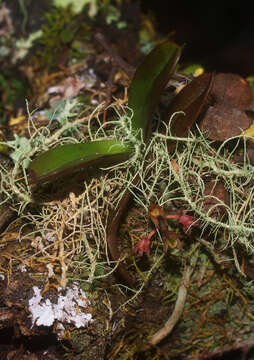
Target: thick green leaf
x: 148, y: 83
x: 189, y: 102
x: 65, y: 159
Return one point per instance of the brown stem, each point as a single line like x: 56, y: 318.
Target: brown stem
x: 6, y: 217
x: 129, y: 70
x: 112, y: 236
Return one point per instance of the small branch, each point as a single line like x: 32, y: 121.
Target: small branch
x: 112, y: 235
x: 6, y: 217
x: 179, y: 306
x: 127, y: 68
x: 110, y: 84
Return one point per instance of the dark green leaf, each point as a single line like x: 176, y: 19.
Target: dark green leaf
x: 148, y: 83
x: 65, y: 159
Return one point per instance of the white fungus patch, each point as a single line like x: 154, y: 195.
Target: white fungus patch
x: 22, y: 268
x: 70, y: 308
x: 2, y: 276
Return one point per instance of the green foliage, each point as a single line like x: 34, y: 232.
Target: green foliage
x: 147, y: 85
x: 58, y: 31
x: 66, y: 158
x: 250, y: 80
x: 193, y: 69
x: 22, y: 46
x: 77, y: 6
x: 113, y: 15
x: 12, y: 90
x: 62, y: 30
x: 110, y: 12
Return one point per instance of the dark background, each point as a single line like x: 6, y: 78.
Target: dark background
x: 217, y: 34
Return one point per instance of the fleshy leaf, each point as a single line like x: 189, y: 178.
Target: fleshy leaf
x: 65, y: 159
x: 189, y: 102
x: 149, y: 80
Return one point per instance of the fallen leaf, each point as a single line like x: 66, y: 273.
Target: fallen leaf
x: 223, y: 121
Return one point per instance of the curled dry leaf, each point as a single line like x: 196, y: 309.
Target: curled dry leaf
x: 224, y: 101
x: 187, y: 105
x: 231, y: 89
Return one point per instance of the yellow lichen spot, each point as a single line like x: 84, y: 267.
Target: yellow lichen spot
x: 249, y: 131
x: 14, y: 121
x: 198, y: 71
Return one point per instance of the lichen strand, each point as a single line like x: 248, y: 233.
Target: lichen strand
x: 67, y: 236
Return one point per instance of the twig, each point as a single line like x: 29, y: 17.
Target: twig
x: 217, y: 256
x: 112, y: 236
x: 127, y: 68
x: 6, y: 217
x: 179, y: 306
x: 110, y: 84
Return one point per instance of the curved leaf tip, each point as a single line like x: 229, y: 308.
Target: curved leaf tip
x: 149, y: 80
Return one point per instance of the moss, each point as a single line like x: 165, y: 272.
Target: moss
x: 58, y: 33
